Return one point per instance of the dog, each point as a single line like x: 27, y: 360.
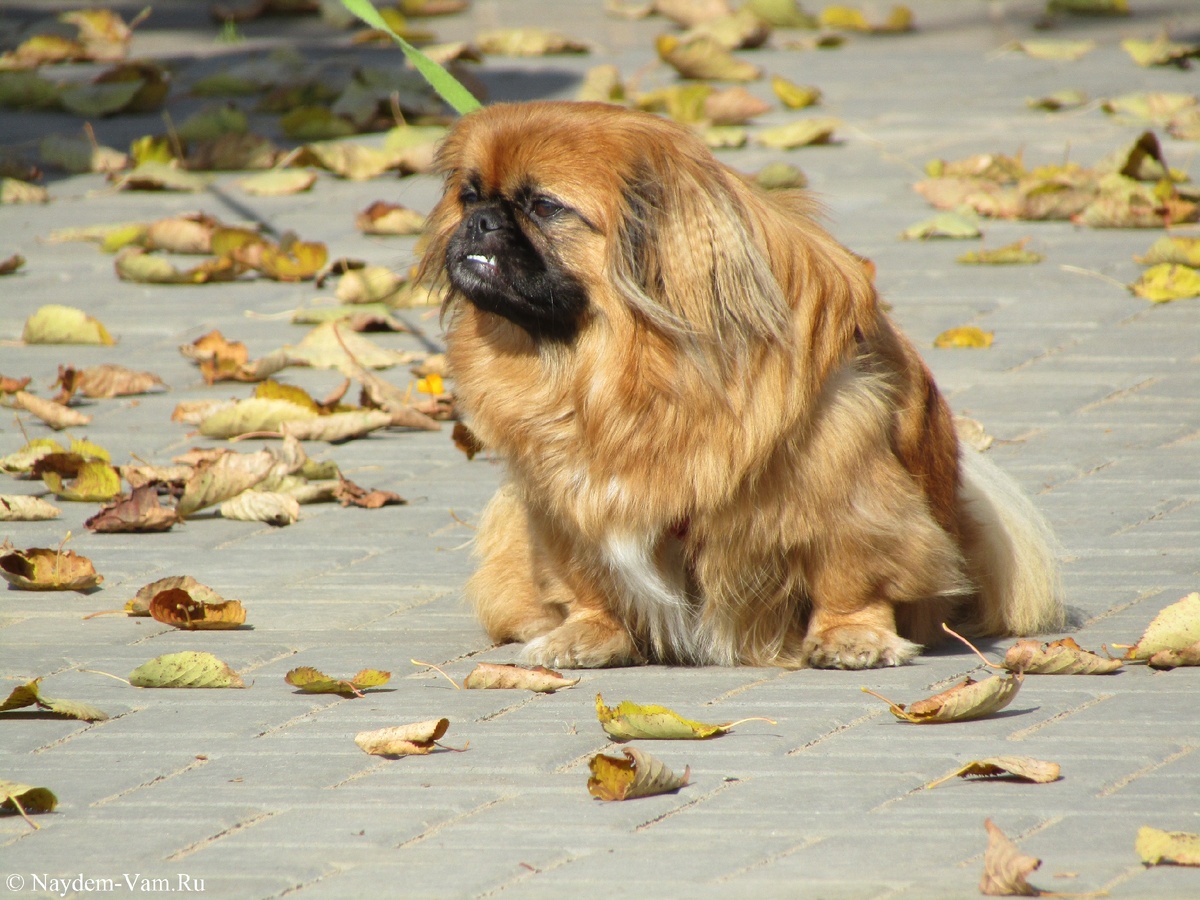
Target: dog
x: 719, y: 449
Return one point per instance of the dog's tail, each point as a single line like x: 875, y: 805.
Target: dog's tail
x: 1012, y: 554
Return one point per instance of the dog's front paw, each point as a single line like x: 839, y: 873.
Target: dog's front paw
x: 857, y: 647
x: 582, y: 645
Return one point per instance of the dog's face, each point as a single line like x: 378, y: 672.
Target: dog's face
x: 558, y: 215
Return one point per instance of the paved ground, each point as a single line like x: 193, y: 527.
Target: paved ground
x: 1094, y: 396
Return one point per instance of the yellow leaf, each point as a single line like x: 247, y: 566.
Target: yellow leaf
x: 313, y: 681
x: 42, y: 569
x: 637, y: 775
x: 704, y: 58
x: 1023, y: 768
x: 969, y: 699
x: 15, y: 191
x: 1068, y: 51
x: 1167, y: 281
x: 1176, y: 848
x: 417, y: 739
x: 526, y: 42
x: 794, y: 96
x: 1010, y: 254
x: 628, y: 721
x: 1174, y: 628
x: 801, y: 133
x: 278, y: 182
x: 96, y: 481
x: 964, y: 336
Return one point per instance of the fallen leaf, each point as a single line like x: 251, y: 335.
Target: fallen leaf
x: 416, y: 739
x: 95, y: 482
x: 1022, y: 768
x: 178, y: 608
x: 11, y: 264
x: 1175, y: 628
x: 1058, y: 101
x: 42, y: 569
x: 140, y: 513
x: 278, y: 182
x: 1005, y: 867
x: 1064, y: 657
x: 1170, y: 659
x: 465, y: 440
x: 741, y: 30
x: 1166, y: 282
x: 21, y: 508
x: 1175, y: 848
x: 347, y: 493
x: 1066, y: 51
x: 382, y: 217
x: 703, y: 58
x: 1009, y: 254
x: 970, y: 699
x: 794, y: 96
x: 801, y: 133
x: 370, y: 284
x: 313, y: 681
x: 637, y: 775
x: 1156, y: 107
x: 964, y: 336
x: 56, y: 415
x: 782, y: 13
x: 270, y: 507
x: 956, y: 225
x: 539, y: 679
x: 140, y: 604
x: 526, y: 42
x: 225, y: 477
x: 55, y: 324
x: 780, y: 176
x: 111, y: 380
x: 1161, y: 51
x: 844, y: 18
x: 24, y: 798
x: 689, y: 13
x: 29, y: 694
x: 162, y: 176
x: 1182, y: 250
x: 15, y: 191
x: 189, y: 669
x: 629, y: 721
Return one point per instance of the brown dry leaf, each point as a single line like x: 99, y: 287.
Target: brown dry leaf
x: 1175, y: 848
x: 382, y: 217
x: 314, y: 681
x: 220, y: 359
x: 1005, y: 867
x: 269, y: 507
x: 140, y: 513
x: 733, y: 106
x: 347, y: 493
x: 177, y: 608
x: 964, y: 336
x: 42, y: 569
x: 55, y: 324
x: 1023, y: 768
x: 704, y: 59
x: 11, y: 264
x: 338, y: 427
x: 1064, y: 657
x: 110, y: 380
x: 95, y: 481
x: 22, y: 508
x: 29, y: 694
x: 140, y: 604
x: 416, y: 739
x: 1176, y: 627
x: 526, y: 42
x: 56, y: 415
x: 969, y: 700
x: 539, y: 678
x: 465, y: 440
x: 190, y: 233
x: 629, y: 721
x: 225, y: 477
x: 637, y: 775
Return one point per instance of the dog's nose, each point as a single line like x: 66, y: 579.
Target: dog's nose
x: 484, y: 221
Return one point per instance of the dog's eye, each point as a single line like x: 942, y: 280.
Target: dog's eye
x: 544, y: 207
x: 468, y: 194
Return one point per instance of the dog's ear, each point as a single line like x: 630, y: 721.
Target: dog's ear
x: 688, y: 259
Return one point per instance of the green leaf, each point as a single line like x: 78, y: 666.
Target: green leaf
x: 447, y: 86
x: 29, y: 694
x: 627, y: 721
x: 189, y: 669
x: 20, y: 798
x: 314, y: 681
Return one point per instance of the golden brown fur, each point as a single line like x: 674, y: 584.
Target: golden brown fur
x: 731, y: 456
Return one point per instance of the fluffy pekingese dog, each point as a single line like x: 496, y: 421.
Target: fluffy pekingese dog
x: 720, y: 451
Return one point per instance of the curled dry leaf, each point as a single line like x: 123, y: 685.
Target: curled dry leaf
x: 1005, y: 867
x: 1064, y: 657
x: 465, y: 440
x: 23, y: 508
x: 703, y: 58
x: 94, y: 482
x: 64, y: 324
x: 110, y: 380
x: 225, y: 477
x: 42, y: 569
x: 1174, y: 628
x: 1174, y: 848
x: 1170, y: 659
x: 179, y: 609
x: 964, y: 336
x: 269, y: 507
x: 539, y: 678
x: 801, y: 133
x: 29, y: 694
x: 56, y: 415
x: 637, y: 775
x: 347, y: 493
x: 416, y: 739
x: 954, y: 225
x: 382, y: 217
x: 189, y: 669
x: 526, y: 42
x: 313, y: 681
x: 10, y: 264
x: 338, y: 427
x: 24, y: 798
x: 140, y: 604
x: 970, y: 699
x: 1023, y: 768
x: 628, y: 721
x: 140, y: 513
x: 278, y: 182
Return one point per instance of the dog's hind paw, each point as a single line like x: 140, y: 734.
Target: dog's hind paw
x: 857, y: 647
x: 582, y: 645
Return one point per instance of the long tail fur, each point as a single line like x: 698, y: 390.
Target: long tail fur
x: 1013, y: 554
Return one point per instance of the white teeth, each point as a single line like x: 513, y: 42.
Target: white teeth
x: 486, y: 260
